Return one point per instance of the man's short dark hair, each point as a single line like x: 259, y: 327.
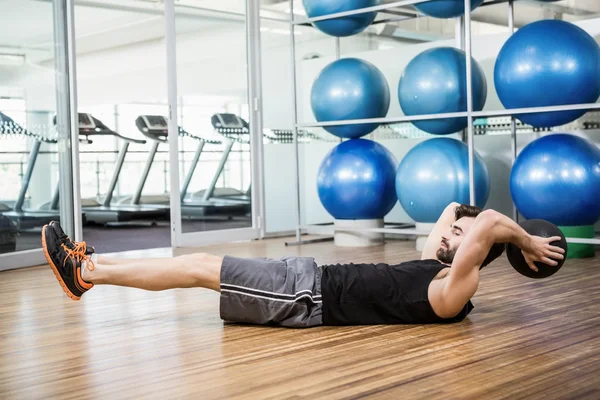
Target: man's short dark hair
x: 465, y: 210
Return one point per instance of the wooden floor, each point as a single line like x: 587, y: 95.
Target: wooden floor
x: 525, y: 339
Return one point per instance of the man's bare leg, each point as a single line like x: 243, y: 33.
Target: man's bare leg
x: 118, y: 261
x: 192, y: 270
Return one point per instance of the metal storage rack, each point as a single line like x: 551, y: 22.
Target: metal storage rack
x: 463, y: 38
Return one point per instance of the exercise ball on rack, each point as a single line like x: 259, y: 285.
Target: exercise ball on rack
x: 557, y: 178
x: 343, y: 26
x: 435, y: 173
x: 356, y: 180
x: 548, y: 63
x: 445, y: 8
x: 435, y: 82
x: 350, y: 88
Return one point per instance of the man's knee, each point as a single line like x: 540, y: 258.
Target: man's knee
x: 193, y: 260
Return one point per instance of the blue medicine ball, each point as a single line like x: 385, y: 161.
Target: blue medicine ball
x: 350, y: 88
x: 548, y: 63
x: 343, y: 26
x: 557, y: 178
x: 356, y: 180
x: 445, y: 8
x: 435, y: 173
x: 435, y: 82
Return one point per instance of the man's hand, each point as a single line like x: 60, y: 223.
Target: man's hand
x: 539, y: 249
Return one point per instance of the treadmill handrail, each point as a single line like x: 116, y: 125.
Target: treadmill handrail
x: 236, y: 136
x: 16, y: 129
x: 103, y: 130
x: 183, y: 132
x: 162, y: 135
x: 112, y: 133
x: 131, y: 140
x: 155, y: 138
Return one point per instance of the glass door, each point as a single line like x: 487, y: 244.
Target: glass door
x: 215, y: 131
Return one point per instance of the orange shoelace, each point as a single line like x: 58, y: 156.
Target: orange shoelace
x: 77, y: 244
x: 77, y: 254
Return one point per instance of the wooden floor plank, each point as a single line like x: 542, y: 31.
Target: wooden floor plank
x: 525, y: 339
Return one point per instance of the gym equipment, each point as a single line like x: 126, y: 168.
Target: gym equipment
x: 557, y: 178
x: 211, y: 201
x: 580, y: 250
x: 435, y: 82
x: 537, y: 227
x: 107, y: 211
x: 234, y: 129
x: 344, y: 26
x: 29, y: 218
x: 551, y: 54
x: 356, y: 180
x: 445, y: 8
x: 435, y: 173
x: 350, y: 88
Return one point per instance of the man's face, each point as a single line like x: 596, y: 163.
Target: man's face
x: 453, y: 238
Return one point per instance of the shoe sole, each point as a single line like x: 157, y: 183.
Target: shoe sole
x: 54, y: 269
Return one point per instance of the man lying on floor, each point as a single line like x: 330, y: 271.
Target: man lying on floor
x: 295, y: 292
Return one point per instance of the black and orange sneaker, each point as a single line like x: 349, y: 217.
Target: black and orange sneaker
x: 66, y: 263
x: 75, y: 246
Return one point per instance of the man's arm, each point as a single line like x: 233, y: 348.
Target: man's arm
x: 448, y: 296
x: 435, y: 237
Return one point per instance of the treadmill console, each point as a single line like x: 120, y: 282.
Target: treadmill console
x: 155, y: 122
x: 228, y: 121
x: 231, y: 126
x: 153, y: 126
x: 86, y: 123
x: 90, y: 126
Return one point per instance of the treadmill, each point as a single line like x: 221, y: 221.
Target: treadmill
x: 155, y: 127
x: 28, y: 218
x: 233, y: 129
x: 106, y: 211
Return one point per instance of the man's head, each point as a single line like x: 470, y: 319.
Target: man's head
x: 464, y: 217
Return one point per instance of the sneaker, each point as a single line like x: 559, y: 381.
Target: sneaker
x: 75, y: 246
x: 66, y: 263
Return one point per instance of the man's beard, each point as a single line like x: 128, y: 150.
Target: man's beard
x: 446, y: 255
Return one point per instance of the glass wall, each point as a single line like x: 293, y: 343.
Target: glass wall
x: 124, y: 170
x: 29, y: 159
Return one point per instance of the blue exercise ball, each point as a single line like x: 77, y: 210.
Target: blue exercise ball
x: 350, y: 88
x: 435, y: 82
x: 445, y: 8
x: 557, y: 178
x: 356, y: 180
x: 435, y: 173
x: 548, y: 63
x: 343, y: 26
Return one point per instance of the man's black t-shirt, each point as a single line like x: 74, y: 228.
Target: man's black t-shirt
x: 371, y: 294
